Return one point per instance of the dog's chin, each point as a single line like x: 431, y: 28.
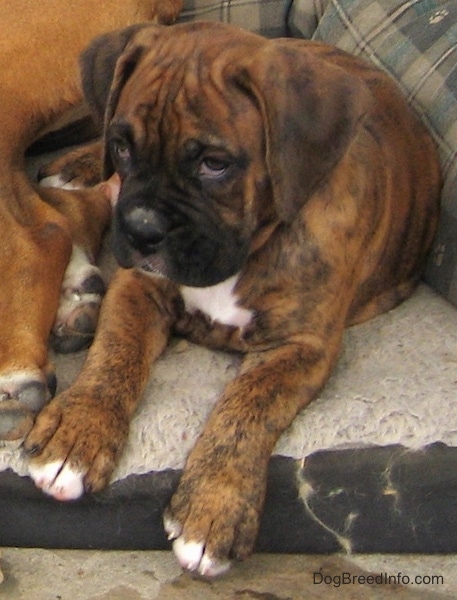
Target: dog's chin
x: 155, y: 265
x: 132, y: 259
x: 181, y: 277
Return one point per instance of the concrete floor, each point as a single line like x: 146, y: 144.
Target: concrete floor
x: 94, y: 575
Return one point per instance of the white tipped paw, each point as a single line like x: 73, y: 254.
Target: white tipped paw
x: 58, y: 480
x: 191, y: 555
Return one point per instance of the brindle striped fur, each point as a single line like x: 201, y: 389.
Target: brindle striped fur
x: 332, y: 198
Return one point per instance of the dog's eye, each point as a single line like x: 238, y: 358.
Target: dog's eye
x: 121, y: 151
x: 213, y: 167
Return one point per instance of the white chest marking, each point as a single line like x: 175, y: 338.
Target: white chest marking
x: 218, y: 302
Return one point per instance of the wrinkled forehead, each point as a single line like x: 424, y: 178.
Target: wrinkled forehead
x: 183, y: 88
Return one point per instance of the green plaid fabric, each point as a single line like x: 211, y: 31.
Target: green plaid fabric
x: 416, y: 42
x: 304, y: 17
x: 267, y: 17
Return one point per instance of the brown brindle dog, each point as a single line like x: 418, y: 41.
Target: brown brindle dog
x: 271, y: 193
x: 42, y: 232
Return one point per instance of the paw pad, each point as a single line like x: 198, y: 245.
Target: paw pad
x: 22, y: 396
x: 82, y: 291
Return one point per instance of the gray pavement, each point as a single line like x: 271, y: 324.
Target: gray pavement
x: 34, y: 574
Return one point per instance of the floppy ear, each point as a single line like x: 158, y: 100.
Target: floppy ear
x: 310, y: 109
x: 106, y: 65
x: 97, y: 65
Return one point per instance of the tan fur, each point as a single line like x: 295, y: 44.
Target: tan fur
x: 39, y: 81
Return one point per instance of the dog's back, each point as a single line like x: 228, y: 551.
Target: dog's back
x: 394, y: 162
x: 39, y: 49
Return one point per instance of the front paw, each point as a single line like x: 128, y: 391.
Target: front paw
x: 74, y: 445
x: 213, y: 519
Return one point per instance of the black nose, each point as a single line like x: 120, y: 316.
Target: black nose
x: 143, y: 229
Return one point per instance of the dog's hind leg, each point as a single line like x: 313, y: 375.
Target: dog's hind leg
x: 35, y: 246
x: 69, y: 184
x: 79, y: 168
x: 39, y: 235
x: 88, y: 212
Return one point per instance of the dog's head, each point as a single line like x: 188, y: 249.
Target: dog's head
x: 216, y: 134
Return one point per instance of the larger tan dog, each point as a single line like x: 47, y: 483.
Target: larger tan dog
x: 272, y: 193
x: 39, y: 83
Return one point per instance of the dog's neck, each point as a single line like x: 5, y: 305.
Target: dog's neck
x: 219, y: 302
x: 262, y: 236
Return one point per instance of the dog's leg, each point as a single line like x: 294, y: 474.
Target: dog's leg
x: 36, y: 88
x: 79, y: 168
x: 35, y: 248
x: 88, y: 212
x: 77, y: 438
x: 214, y: 515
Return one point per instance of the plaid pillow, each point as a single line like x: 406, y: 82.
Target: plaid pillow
x: 267, y: 17
x: 304, y: 17
x: 416, y: 42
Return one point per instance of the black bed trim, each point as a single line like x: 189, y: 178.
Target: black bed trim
x: 377, y: 499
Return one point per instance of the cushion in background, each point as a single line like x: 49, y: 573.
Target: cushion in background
x: 267, y: 17
x: 415, y: 41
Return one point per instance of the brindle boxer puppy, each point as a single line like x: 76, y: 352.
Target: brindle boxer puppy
x: 49, y: 239
x: 271, y: 193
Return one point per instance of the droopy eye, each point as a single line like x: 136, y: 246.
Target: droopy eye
x: 213, y: 167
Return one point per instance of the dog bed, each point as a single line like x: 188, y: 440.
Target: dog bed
x: 370, y: 465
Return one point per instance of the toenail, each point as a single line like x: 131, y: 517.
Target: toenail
x: 32, y: 450
x: 51, y: 382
